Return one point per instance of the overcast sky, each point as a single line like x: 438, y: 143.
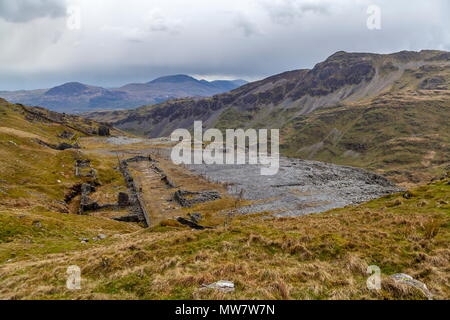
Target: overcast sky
x: 119, y: 41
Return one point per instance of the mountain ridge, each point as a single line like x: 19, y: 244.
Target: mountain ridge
x: 74, y: 97
x: 343, y: 76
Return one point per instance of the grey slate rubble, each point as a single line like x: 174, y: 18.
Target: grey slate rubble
x: 300, y: 187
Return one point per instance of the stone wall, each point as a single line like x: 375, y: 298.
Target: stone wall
x: 137, y: 206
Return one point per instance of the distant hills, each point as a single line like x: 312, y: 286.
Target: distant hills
x: 386, y: 112
x: 75, y: 97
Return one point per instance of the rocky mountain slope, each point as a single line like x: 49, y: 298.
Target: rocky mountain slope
x: 384, y: 112
x: 74, y: 97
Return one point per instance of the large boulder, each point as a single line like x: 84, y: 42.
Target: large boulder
x: 410, y: 281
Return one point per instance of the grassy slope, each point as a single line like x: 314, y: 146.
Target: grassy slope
x: 322, y: 256
x: 33, y: 182
x: 406, y: 139
x: 31, y: 173
x: 30, y: 170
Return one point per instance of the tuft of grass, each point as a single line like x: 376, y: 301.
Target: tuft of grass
x: 431, y: 229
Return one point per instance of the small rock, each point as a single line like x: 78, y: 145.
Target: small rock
x: 407, y: 195
x: 37, y: 224
x: 84, y: 240
x: 100, y: 237
x: 408, y: 280
x: 222, y: 286
x: 195, y: 217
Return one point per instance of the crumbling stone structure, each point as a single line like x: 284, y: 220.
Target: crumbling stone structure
x: 72, y: 193
x: 60, y: 147
x: 80, y: 169
x: 128, y: 218
x: 104, y: 131
x: 187, y: 198
x: 123, y: 200
x: 137, y: 159
x: 86, y: 204
x: 137, y: 207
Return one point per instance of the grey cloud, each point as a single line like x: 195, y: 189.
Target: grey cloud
x: 285, y: 12
x: 246, y: 26
x: 20, y: 11
x: 247, y: 42
x: 315, y: 8
x: 158, y: 22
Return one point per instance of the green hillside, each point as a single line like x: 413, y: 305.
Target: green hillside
x: 404, y: 137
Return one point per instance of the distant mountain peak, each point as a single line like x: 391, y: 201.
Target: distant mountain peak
x: 79, y: 97
x: 69, y: 88
x: 178, y: 78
